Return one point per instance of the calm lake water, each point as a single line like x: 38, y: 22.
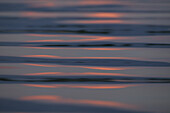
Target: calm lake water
x: 84, y: 56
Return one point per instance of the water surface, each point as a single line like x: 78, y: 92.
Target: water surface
x: 84, y: 56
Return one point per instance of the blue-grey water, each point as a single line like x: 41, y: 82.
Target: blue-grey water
x: 84, y: 56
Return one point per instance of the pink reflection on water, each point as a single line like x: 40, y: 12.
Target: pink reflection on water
x: 85, y: 73
x: 42, y: 35
x: 87, y: 67
x: 100, y: 49
x: 53, y: 56
x: 45, y: 41
x: 90, y: 38
x: 58, y: 99
x: 40, y: 65
x: 111, y: 49
x: 84, y: 86
x: 46, y: 56
x: 96, y: 39
x: 41, y: 97
x: 94, y: 21
x: 41, y: 86
x: 105, y: 15
x: 77, y: 36
x: 42, y: 48
x: 107, y: 68
x: 62, y: 35
x: 32, y: 14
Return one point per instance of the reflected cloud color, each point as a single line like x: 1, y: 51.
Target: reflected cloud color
x: 53, y: 56
x: 107, y: 68
x: 91, y: 86
x: 58, y: 99
x: 41, y: 86
x: 109, y: 49
x: 88, y: 67
x: 46, y: 56
x: 41, y: 97
x: 45, y: 41
x: 65, y: 35
x: 95, y: 21
x: 85, y: 73
x: 105, y: 15
x: 97, y: 39
x: 90, y: 15
x: 40, y: 65
x: 42, y: 48
x: 32, y: 14
x: 91, y: 38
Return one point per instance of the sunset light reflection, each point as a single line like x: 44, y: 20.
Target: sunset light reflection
x: 91, y: 86
x: 109, y: 49
x: 53, y: 56
x: 88, y: 67
x: 105, y: 15
x: 95, y: 21
x: 85, y: 73
x: 58, y: 99
x: 90, y: 38
x: 97, y: 39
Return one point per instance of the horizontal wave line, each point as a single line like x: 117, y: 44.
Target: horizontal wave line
x: 84, y: 62
x: 85, y: 44
x: 90, y: 79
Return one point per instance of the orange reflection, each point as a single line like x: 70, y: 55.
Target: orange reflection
x: 115, y: 49
x: 108, y: 104
x: 103, y: 86
x: 42, y: 86
x: 40, y: 65
x: 76, y: 36
x: 41, y: 97
x: 42, y: 48
x: 61, y: 35
x: 108, y: 68
x: 88, y: 67
x: 45, y: 41
x: 92, y: 38
x: 46, y: 56
x: 42, y: 35
x: 49, y: 73
x: 58, y: 99
x: 97, y: 39
x: 53, y: 56
x: 85, y: 73
x: 94, y: 21
x: 105, y: 15
x: 100, y: 49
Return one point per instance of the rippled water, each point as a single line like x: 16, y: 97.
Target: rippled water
x: 84, y: 56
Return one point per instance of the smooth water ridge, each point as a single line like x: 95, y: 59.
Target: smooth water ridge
x: 84, y: 56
